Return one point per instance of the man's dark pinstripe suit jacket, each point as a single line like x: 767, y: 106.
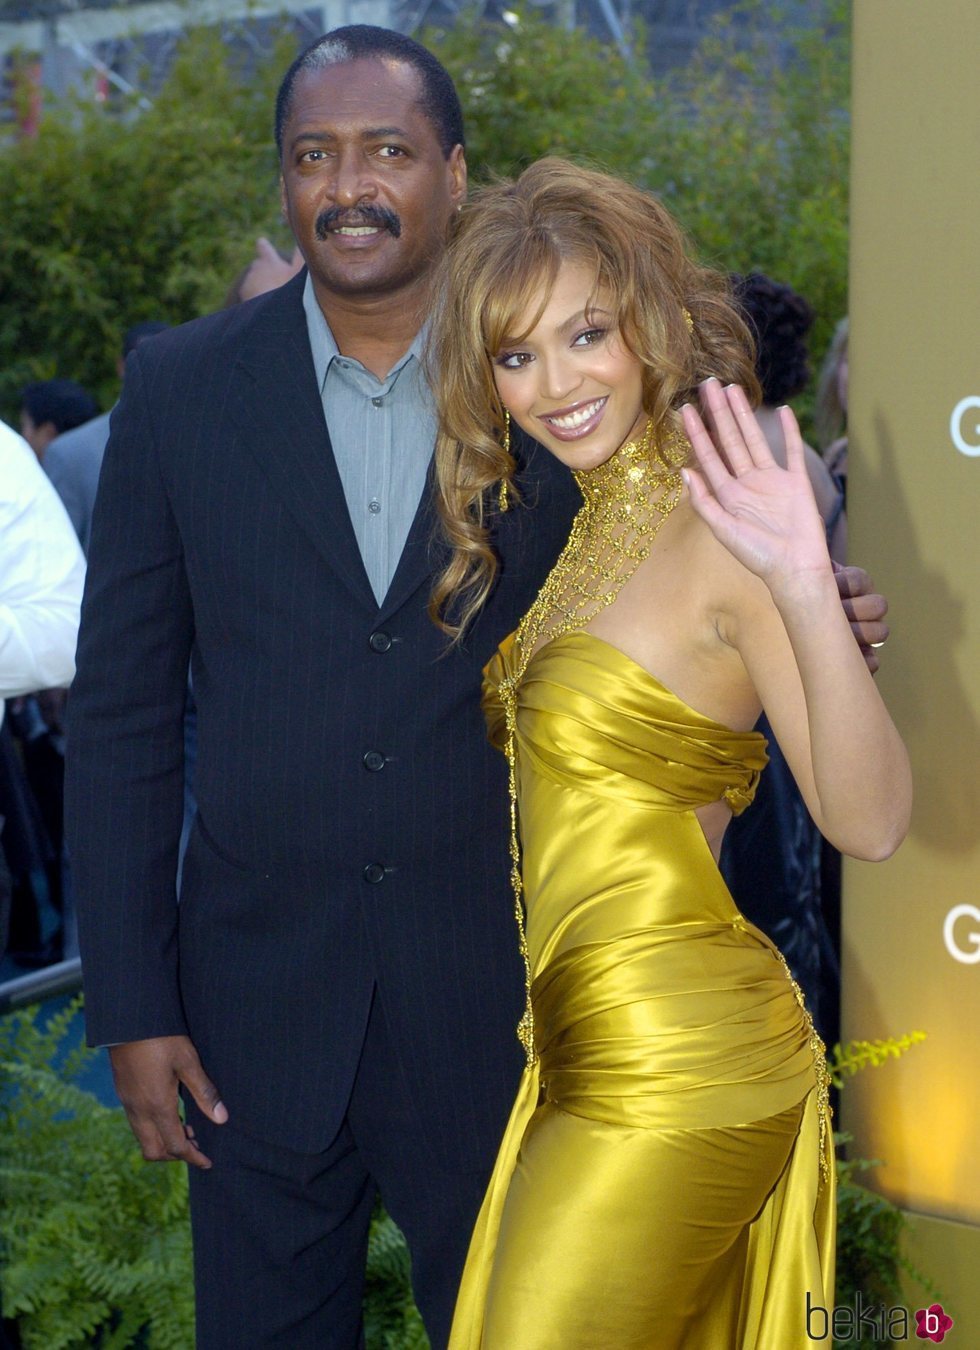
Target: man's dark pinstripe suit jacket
x: 221, y: 534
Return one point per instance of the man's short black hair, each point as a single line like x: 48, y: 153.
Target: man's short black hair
x: 362, y: 41
x: 61, y: 402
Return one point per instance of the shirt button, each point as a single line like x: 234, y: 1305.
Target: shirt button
x: 373, y: 761
x: 374, y: 506
x: 373, y: 873
x: 380, y: 641
x: 377, y: 402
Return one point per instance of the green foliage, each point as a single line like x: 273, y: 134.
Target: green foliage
x: 391, y: 1319
x: 111, y: 217
x: 748, y: 143
x: 94, y: 1243
x: 752, y: 148
x: 536, y: 89
x: 870, y: 1228
x: 845, y: 1061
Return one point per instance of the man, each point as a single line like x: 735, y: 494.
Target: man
x: 50, y: 407
x: 73, y: 460
x: 339, y: 996
x: 41, y: 575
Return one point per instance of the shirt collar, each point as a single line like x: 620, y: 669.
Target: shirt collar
x: 324, y: 347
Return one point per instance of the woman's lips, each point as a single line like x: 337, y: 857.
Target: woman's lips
x: 571, y: 424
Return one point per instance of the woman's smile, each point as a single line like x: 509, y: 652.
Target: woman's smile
x: 576, y: 421
x: 570, y: 381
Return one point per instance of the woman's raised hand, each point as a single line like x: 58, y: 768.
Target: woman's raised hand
x: 764, y: 514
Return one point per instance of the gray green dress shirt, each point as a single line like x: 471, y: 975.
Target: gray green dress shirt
x: 382, y: 433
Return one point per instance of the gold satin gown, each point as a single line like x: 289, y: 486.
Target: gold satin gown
x: 666, y: 1178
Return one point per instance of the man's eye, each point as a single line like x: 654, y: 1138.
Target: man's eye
x: 514, y: 360
x: 312, y: 156
x: 391, y: 152
x: 589, y: 337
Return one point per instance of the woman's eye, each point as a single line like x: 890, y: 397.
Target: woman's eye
x: 513, y: 360
x: 589, y: 337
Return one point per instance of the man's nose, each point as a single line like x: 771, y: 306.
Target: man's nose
x: 353, y: 181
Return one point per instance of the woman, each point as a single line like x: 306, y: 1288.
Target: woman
x: 666, y: 1177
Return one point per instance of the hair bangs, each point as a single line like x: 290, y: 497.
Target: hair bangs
x: 518, y: 289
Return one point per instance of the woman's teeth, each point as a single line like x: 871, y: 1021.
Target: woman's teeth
x: 577, y: 418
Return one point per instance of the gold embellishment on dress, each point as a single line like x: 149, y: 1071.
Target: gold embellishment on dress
x: 738, y: 797
x: 819, y: 1052
x: 626, y: 500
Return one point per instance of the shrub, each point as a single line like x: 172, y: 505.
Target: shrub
x: 109, y: 218
x: 95, y: 1245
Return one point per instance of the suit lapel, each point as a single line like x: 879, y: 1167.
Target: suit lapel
x: 419, y: 557
x: 279, y: 415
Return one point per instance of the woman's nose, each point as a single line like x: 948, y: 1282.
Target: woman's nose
x: 557, y: 376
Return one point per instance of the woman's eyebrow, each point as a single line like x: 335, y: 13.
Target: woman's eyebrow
x: 583, y: 315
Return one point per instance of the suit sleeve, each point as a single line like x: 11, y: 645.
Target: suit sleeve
x: 124, y: 771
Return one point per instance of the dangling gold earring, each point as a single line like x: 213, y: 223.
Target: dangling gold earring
x: 503, y: 497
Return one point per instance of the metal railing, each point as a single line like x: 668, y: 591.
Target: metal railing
x: 65, y: 977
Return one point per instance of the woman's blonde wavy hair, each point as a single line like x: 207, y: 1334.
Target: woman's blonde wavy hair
x: 674, y: 316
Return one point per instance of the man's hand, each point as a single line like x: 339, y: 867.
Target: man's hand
x: 865, y: 610
x: 147, y: 1075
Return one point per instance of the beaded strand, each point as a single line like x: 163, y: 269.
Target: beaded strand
x: 625, y: 501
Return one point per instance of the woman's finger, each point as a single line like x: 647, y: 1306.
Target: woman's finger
x: 748, y: 427
x: 715, y: 470
x: 726, y: 431
x: 704, y: 502
x: 795, y: 453
x: 736, y: 431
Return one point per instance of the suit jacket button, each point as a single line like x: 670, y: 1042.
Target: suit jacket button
x: 373, y: 761
x: 373, y: 873
x: 380, y: 641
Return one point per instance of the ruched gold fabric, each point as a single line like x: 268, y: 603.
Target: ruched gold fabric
x: 659, y: 1183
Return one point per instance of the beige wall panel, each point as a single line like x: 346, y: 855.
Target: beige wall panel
x: 914, y: 498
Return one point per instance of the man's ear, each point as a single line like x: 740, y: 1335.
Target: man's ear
x: 456, y: 165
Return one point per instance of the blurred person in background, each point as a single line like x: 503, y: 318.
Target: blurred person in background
x: 830, y: 406
x: 73, y: 462
x: 41, y: 577
x: 73, y: 459
x: 50, y: 407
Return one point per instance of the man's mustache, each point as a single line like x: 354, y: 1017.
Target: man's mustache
x: 336, y: 217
